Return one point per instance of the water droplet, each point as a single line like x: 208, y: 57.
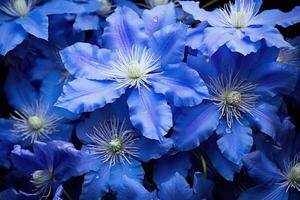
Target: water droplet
x: 155, y: 19
x: 97, y: 177
x: 228, y: 130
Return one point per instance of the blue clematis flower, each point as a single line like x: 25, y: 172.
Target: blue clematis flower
x: 48, y: 166
x: 114, y: 149
x: 278, y: 176
x: 20, y: 17
x: 238, y: 26
x: 142, y: 58
x: 241, y: 98
x: 35, y: 117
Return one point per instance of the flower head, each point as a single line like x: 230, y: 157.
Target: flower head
x: 112, y: 142
x: 291, y: 174
x: 17, y: 8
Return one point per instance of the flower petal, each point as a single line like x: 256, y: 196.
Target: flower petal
x: 194, y: 125
x: 265, y: 192
x: 187, y: 90
x: 150, y: 113
x: 11, y: 35
x: 124, y: 30
x: 85, y: 60
x: 82, y: 95
x: 235, y: 142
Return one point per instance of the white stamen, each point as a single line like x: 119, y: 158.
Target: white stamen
x: 233, y: 96
x: 35, y: 122
x: 42, y: 180
x: 291, y: 174
x: 236, y: 16
x: 112, y: 142
x: 17, y: 8
x: 133, y: 69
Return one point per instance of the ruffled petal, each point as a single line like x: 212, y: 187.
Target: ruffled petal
x: 169, y: 43
x: 36, y: 23
x: 194, y: 125
x: 159, y: 17
x: 84, y: 60
x: 86, y: 22
x: 11, y: 35
x: 277, y: 17
x: 82, y: 95
x: 187, y: 90
x: 150, y: 113
x: 260, y: 168
x: 236, y: 142
x: 125, y: 29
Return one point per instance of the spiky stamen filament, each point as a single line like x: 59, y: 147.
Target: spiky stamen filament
x: 42, y: 180
x: 233, y: 96
x: 291, y: 174
x: 35, y: 122
x: 289, y: 56
x: 112, y: 142
x: 134, y: 68
x: 237, y: 16
x: 17, y: 8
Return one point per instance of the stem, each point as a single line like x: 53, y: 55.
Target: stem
x: 199, y: 156
x: 67, y: 195
x: 209, y: 3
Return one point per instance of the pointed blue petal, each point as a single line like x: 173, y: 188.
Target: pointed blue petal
x: 83, y: 95
x: 265, y: 192
x: 86, y: 22
x: 150, y: 113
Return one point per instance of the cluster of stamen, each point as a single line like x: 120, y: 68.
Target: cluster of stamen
x: 17, y: 8
x: 233, y: 96
x: 42, y: 180
x: 112, y: 142
x: 291, y: 174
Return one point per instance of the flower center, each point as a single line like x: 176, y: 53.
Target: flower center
x: 293, y: 176
x: 237, y: 15
x: 21, y: 7
x: 116, y: 145
x: 35, y: 123
x: 112, y: 142
x: 135, y: 71
x: 233, y: 98
x: 42, y: 180
x: 106, y: 7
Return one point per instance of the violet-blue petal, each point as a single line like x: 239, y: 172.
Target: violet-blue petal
x: 265, y: 117
x: 265, y: 192
x: 162, y: 172
x: 195, y: 36
x: 175, y: 188
x: 19, y: 91
x: 150, y: 113
x: 125, y: 29
x: 261, y: 169
x: 188, y: 90
x: 194, y: 125
x: 83, y: 95
x: 159, y: 17
x: 11, y: 34
x: 152, y: 149
x: 6, y: 133
x: 277, y: 17
x: 6, y: 148
x: 84, y: 60
x: 35, y: 23
x: 202, y: 186
x: 169, y: 43
x: 236, y: 142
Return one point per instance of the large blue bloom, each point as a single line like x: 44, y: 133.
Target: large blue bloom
x: 278, y: 176
x: 143, y: 59
x: 239, y: 26
x: 35, y: 117
x: 20, y: 17
x: 242, y: 89
x: 48, y: 166
x: 114, y: 149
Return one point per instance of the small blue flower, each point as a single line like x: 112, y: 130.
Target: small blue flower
x: 48, y: 166
x: 240, y: 98
x: 142, y: 58
x: 18, y: 18
x: 239, y: 26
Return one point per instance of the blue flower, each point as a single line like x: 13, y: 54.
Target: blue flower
x: 35, y: 117
x: 142, y: 58
x: 239, y: 26
x: 48, y: 166
x: 20, y: 17
x: 242, y: 90
x: 278, y: 176
x: 114, y: 149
